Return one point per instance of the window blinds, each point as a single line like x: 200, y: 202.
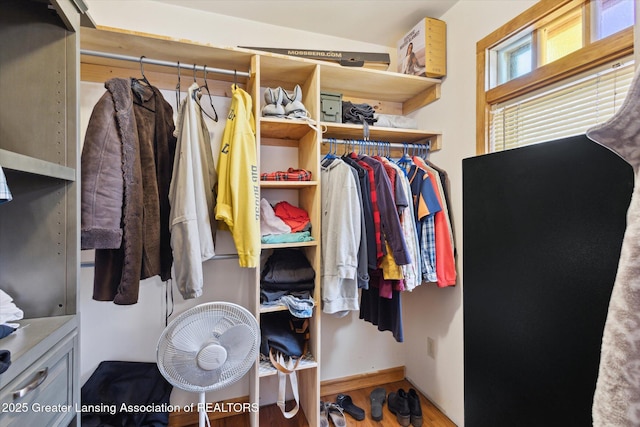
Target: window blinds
x: 566, y: 109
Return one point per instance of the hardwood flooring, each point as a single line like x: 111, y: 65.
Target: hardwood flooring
x: 271, y: 416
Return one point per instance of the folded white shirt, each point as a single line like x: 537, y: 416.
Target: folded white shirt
x: 8, y: 310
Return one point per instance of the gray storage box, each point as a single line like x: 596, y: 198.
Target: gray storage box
x: 331, y: 107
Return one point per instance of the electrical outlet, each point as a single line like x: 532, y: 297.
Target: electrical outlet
x: 431, y: 347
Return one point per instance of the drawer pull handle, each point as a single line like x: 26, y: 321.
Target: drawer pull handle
x: 39, y: 378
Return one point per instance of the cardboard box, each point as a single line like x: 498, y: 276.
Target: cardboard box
x: 423, y: 50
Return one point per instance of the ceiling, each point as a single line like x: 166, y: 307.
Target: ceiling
x: 384, y: 21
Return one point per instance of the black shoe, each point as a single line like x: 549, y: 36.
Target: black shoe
x: 414, y: 408
x: 345, y: 402
x: 399, y: 406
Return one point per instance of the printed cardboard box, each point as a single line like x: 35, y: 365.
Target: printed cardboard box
x: 423, y: 50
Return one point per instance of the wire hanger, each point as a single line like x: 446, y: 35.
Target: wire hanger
x: 196, y: 98
x: 144, y: 78
x: 206, y: 86
x: 178, y: 88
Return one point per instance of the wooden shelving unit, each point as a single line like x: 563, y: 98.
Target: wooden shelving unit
x: 391, y: 93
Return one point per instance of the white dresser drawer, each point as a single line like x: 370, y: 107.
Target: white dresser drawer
x: 42, y: 395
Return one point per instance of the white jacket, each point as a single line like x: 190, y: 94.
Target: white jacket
x: 191, y: 198
x: 341, y: 228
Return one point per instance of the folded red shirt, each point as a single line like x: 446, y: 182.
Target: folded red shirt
x: 295, y: 217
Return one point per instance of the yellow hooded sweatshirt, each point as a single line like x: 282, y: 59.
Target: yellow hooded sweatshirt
x: 238, y: 202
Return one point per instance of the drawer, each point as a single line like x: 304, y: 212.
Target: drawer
x: 42, y: 395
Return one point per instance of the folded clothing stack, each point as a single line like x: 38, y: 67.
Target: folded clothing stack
x: 284, y: 223
x: 287, y: 270
x: 288, y: 279
x: 9, y: 312
x: 357, y: 113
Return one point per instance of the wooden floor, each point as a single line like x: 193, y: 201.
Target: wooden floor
x: 271, y: 415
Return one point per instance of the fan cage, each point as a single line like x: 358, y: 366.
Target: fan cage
x: 183, y: 338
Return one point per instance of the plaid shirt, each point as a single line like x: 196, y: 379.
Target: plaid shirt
x: 290, y: 175
x: 5, y: 194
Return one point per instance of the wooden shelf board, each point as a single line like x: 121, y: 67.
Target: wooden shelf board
x: 353, y: 131
x: 288, y: 184
x: 267, y: 369
x: 277, y: 128
x: 133, y: 43
x: 289, y: 245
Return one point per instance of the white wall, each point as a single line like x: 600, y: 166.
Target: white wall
x: 349, y: 346
x: 429, y: 311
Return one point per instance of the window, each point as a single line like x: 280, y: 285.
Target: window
x: 561, y: 37
x: 611, y: 16
x: 515, y: 59
x: 542, y: 71
x: 564, y: 110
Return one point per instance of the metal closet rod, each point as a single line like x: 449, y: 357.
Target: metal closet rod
x: 87, y: 264
x: 145, y: 60
x: 375, y: 144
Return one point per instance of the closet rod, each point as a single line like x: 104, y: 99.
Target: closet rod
x: 146, y: 60
x: 375, y: 143
x: 87, y: 264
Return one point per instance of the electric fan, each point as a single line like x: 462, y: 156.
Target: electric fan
x: 208, y: 347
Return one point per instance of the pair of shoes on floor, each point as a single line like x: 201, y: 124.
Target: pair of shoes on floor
x: 333, y: 411
x: 280, y: 103
x: 406, y: 407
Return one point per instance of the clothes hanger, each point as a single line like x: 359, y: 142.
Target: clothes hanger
x: 178, y: 88
x: 330, y: 156
x: 406, y: 159
x: 196, y: 98
x: 144, y: 78
x: 206, y: 87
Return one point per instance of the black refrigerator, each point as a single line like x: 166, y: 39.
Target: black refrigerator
x: 542, y: 232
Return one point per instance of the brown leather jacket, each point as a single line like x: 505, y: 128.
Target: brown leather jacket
x: 126, y: 166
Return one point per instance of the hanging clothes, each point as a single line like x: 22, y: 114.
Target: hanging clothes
x: 191, y: 196
x: 5, y: 193
x: 445, y: 260
x: 389, y: 220
x: 341, y: 230
x: 238, y: 202
x: 426, y: 205
x: 126, y: 168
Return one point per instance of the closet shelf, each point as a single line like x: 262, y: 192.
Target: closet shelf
x: 288, y: 184
x: 19, y: 162
x: 289, y: 245
x: 267, y: 369
x: 277, y: 128
x: 273, y: 308
x: 410, y: 92
x: 376, y: 133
